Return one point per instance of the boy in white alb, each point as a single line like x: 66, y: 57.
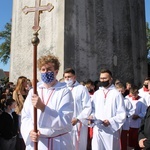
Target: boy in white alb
x: 54, y: 105
x: 129, y: 111
x: 147, y: 97
x: 82, y: 109
x: 139, y: 109
x: 143, y: 92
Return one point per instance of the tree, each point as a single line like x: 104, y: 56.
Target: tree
x: 5, y: 37
x: 148, y: 36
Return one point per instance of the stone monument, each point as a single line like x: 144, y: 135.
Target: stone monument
x: 86, y: 35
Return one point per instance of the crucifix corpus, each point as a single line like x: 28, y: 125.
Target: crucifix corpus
x: 35, y: 41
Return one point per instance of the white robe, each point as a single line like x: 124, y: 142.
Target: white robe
x: 129, y: 113
x: 111, y: 108
x: 147, y: 100
x: 139, y: 108
x: 82, y: 109
x: 143, y: 93
x: 54, y: 123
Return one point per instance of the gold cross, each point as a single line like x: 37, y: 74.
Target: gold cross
x: 37, y: 9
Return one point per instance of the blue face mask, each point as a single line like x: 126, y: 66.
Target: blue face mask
x: 13, y: 110
x: 47, y: 77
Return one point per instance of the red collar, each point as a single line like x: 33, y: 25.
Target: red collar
x: 145, y: 89
x: 135, y: 98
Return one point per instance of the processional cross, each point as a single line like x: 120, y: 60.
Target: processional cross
x: 37, y: 9
x: 35, y: 41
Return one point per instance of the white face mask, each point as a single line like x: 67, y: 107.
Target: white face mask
x: 13, y: 110
x: 69, y: 82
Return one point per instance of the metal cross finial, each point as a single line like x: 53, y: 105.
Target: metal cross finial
x: 37, y: 9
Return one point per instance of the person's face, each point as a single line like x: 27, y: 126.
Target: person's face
x: 7, y: 91
x: 88, y: 86
x: 105, y: 77
x: 69, y: 76
x: 13, y: 106
x: 49, y: 67
x: 25, y: 83
x: 128, y: 86
x: 135, y: 94
x: 121, y: 90
x: 146, y: 84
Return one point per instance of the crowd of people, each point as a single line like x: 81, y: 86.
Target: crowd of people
x: 73, y: 115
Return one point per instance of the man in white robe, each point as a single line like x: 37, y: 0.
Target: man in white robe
x: 143, y: 92
x: 129, y: 112
x: 54, y: 105
x: 82, y: 110
x: 139, y: 111
x: 108, y: 106
x: 147, y: 97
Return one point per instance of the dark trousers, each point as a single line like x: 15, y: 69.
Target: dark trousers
x: 124, y: 139
x: 20, y: 145
x: 8, y: 144
x: 133, y: 138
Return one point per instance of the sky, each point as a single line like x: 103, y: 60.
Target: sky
x: 6, y: 15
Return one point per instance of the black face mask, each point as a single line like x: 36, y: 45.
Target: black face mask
x: 91, y: 91
x: 123, y: 94
x: 146, y: 86
x: 104, y: 83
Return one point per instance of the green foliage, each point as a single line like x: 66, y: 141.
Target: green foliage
x: 148, y: 36
x: 5, y: 80
x: 5, y: 37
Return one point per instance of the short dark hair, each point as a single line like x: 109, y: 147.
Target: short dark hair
x: 147, y: 78
x: 106, y: 71
x: 69, y: 70
x: 134, y: 89
x: 119, y: 85
x: 4, y: 103
x: 89, y: 81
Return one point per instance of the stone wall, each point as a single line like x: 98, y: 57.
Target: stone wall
x: 51, y: 37
x: 106, y: 34
x: 87, y: 35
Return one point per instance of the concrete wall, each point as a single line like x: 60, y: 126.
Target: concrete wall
x: 51, y: 37
x: 87, y: 35
x: 106, y: 34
